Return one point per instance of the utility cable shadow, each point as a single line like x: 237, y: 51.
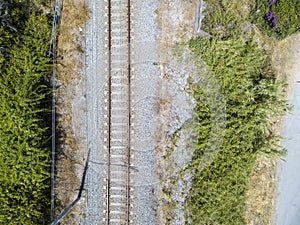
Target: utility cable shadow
x: 79, y: 194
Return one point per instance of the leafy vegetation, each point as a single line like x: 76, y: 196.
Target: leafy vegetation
x: 278, y: 18
x: 25, y: 157
x: 253, y: 99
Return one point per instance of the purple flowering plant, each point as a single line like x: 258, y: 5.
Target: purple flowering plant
x: 270, y: 15
x: 274, y: 20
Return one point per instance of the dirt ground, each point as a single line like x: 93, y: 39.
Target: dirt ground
x: 176, y: 20
x: 70, y: 151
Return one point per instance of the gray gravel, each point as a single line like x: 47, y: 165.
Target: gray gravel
x: 95, y: 79
x: 144, y: 91
x: 144, y: 99
x: 151, y: 83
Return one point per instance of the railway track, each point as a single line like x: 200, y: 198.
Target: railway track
x: 118, y: 113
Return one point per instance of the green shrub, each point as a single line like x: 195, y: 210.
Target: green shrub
x: 253, y: 98
x: 24, y: 155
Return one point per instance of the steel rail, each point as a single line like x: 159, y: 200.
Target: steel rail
x: 129, y: 116
x: 109, y: 113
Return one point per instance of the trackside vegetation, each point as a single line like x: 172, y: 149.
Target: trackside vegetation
x: 24, y: 135
x: 253, y: 98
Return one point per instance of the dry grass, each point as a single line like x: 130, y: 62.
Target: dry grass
x: 70, y: 61
x: 262, y: 193
x: 284, y: 58
x: 70, y: 46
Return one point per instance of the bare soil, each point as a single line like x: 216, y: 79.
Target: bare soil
x: 176, y: 20
x: 70, y: 152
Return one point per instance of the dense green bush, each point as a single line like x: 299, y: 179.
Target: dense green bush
x: 287, y: 12
x: 253, y: 98
x: 24, y: 156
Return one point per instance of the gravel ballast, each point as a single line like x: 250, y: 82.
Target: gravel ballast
x: 159, y: 107
x: 95, y: 89
x: 144, y: 99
